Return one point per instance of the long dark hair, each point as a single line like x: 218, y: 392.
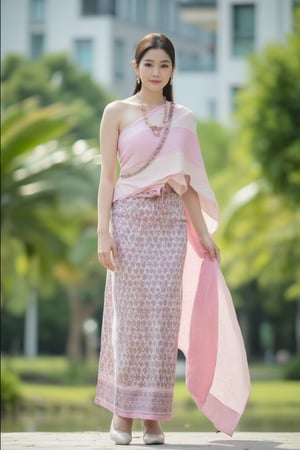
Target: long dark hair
x: 154, y: 41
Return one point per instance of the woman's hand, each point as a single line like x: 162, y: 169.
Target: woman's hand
x: 210, y: 246
x: 193, y: 209
x: 107, y: 250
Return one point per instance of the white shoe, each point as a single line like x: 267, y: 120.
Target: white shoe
x: 152, y: 439
x: 119, y: 437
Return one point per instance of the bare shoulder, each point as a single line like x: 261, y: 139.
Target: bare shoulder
x: 183, y: 113
x: 111, y: 116
x: 121, y: 112
x: 119, y: 106
x: 184, y: 110
x: 129, y: 111
x: 113, y: 108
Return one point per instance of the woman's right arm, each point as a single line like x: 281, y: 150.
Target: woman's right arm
x: 109, y: 134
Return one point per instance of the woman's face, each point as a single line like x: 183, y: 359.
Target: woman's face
x: 155, y: 69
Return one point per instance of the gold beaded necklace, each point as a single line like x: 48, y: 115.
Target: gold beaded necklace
x: 156, y: 129
x: 130, y: 173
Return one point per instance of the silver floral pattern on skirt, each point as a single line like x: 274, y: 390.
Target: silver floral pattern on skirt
x: 142, y: 309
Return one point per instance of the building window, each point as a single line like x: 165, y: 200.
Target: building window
x: 234, y: 91
x: 296, y: 12
x: 211, y: 108
x: 38, y: 10
x: 119, y: 63
x: 83, y: 54
x: 243, y: 26
x: 189, y: 61
x: 37, y: 45
x: 98, y: 7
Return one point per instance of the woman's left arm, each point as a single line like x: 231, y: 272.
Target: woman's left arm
x: 193, y: 209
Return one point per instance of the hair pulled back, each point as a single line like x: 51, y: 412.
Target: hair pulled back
x: 155, y: 41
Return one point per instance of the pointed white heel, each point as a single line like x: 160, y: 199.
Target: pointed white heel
x: 152, y: 439
x: 119, y: 437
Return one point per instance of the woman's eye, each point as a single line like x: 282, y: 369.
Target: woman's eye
x: 165, y: 66
x: 147, y: 65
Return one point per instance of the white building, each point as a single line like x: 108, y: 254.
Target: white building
x: 212, y: 40
x: 242, y: 27
x: 101, y: 35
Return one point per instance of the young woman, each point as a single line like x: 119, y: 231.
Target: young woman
x: 164, y: 287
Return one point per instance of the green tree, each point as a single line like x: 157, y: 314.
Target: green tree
x: 83, y: 280
x: 43, y: 188
x: 262, y: 221
x: 49, y: 168
x: 27, y: 194
x: 269, y: 115
x: 55, y: 78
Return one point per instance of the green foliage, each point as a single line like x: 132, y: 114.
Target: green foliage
x: 292, y: 369
x: 43, y: 185
x: 269, y: 115
x: 260, y: 228
x: 29, y: 244
x: 26, y: 125
x: 216, y: 143
x: 55, y: 78
x: 47, y: 182
x: 11, y: 395
x: 215, y: 140
x: 267, y: 231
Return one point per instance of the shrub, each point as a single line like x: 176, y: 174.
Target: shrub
x: 292, y: 369
x: 10, y: 392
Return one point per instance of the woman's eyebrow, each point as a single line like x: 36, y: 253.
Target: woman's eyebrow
x: 163, y: 61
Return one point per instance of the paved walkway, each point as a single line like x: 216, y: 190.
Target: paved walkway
x: 175, y: 441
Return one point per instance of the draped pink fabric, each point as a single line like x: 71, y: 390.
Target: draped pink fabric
x: 217, y: 374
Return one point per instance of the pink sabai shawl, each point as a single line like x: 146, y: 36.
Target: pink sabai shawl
x: 217, y: 374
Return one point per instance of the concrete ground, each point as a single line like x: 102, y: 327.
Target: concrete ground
x: 174, y: 441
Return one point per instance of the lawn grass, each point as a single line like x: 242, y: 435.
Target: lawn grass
x: 274, y: 404
x: 59, y: 368
x: 56, y: 370
x: 275, y: 393
x: 63, y: 396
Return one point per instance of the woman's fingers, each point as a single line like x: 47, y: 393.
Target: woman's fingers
x: 211, y: 248
x: 114, y: 251
x: 106, y: 261
x: 214, y: 252
x: 107, y: 251
x: 217, y: 254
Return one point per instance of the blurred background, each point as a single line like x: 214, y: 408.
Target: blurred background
x: 238, y: 69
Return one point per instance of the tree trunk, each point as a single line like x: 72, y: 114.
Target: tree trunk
x: 244, y: 324
x: 79, y: 311
x: 73, y: 349
x: 297, y: 326
x: 31, y: 327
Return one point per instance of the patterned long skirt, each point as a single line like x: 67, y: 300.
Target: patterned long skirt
x: 142, y: 308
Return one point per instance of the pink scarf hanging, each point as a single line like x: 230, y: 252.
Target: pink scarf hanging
x: 217, y: 374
